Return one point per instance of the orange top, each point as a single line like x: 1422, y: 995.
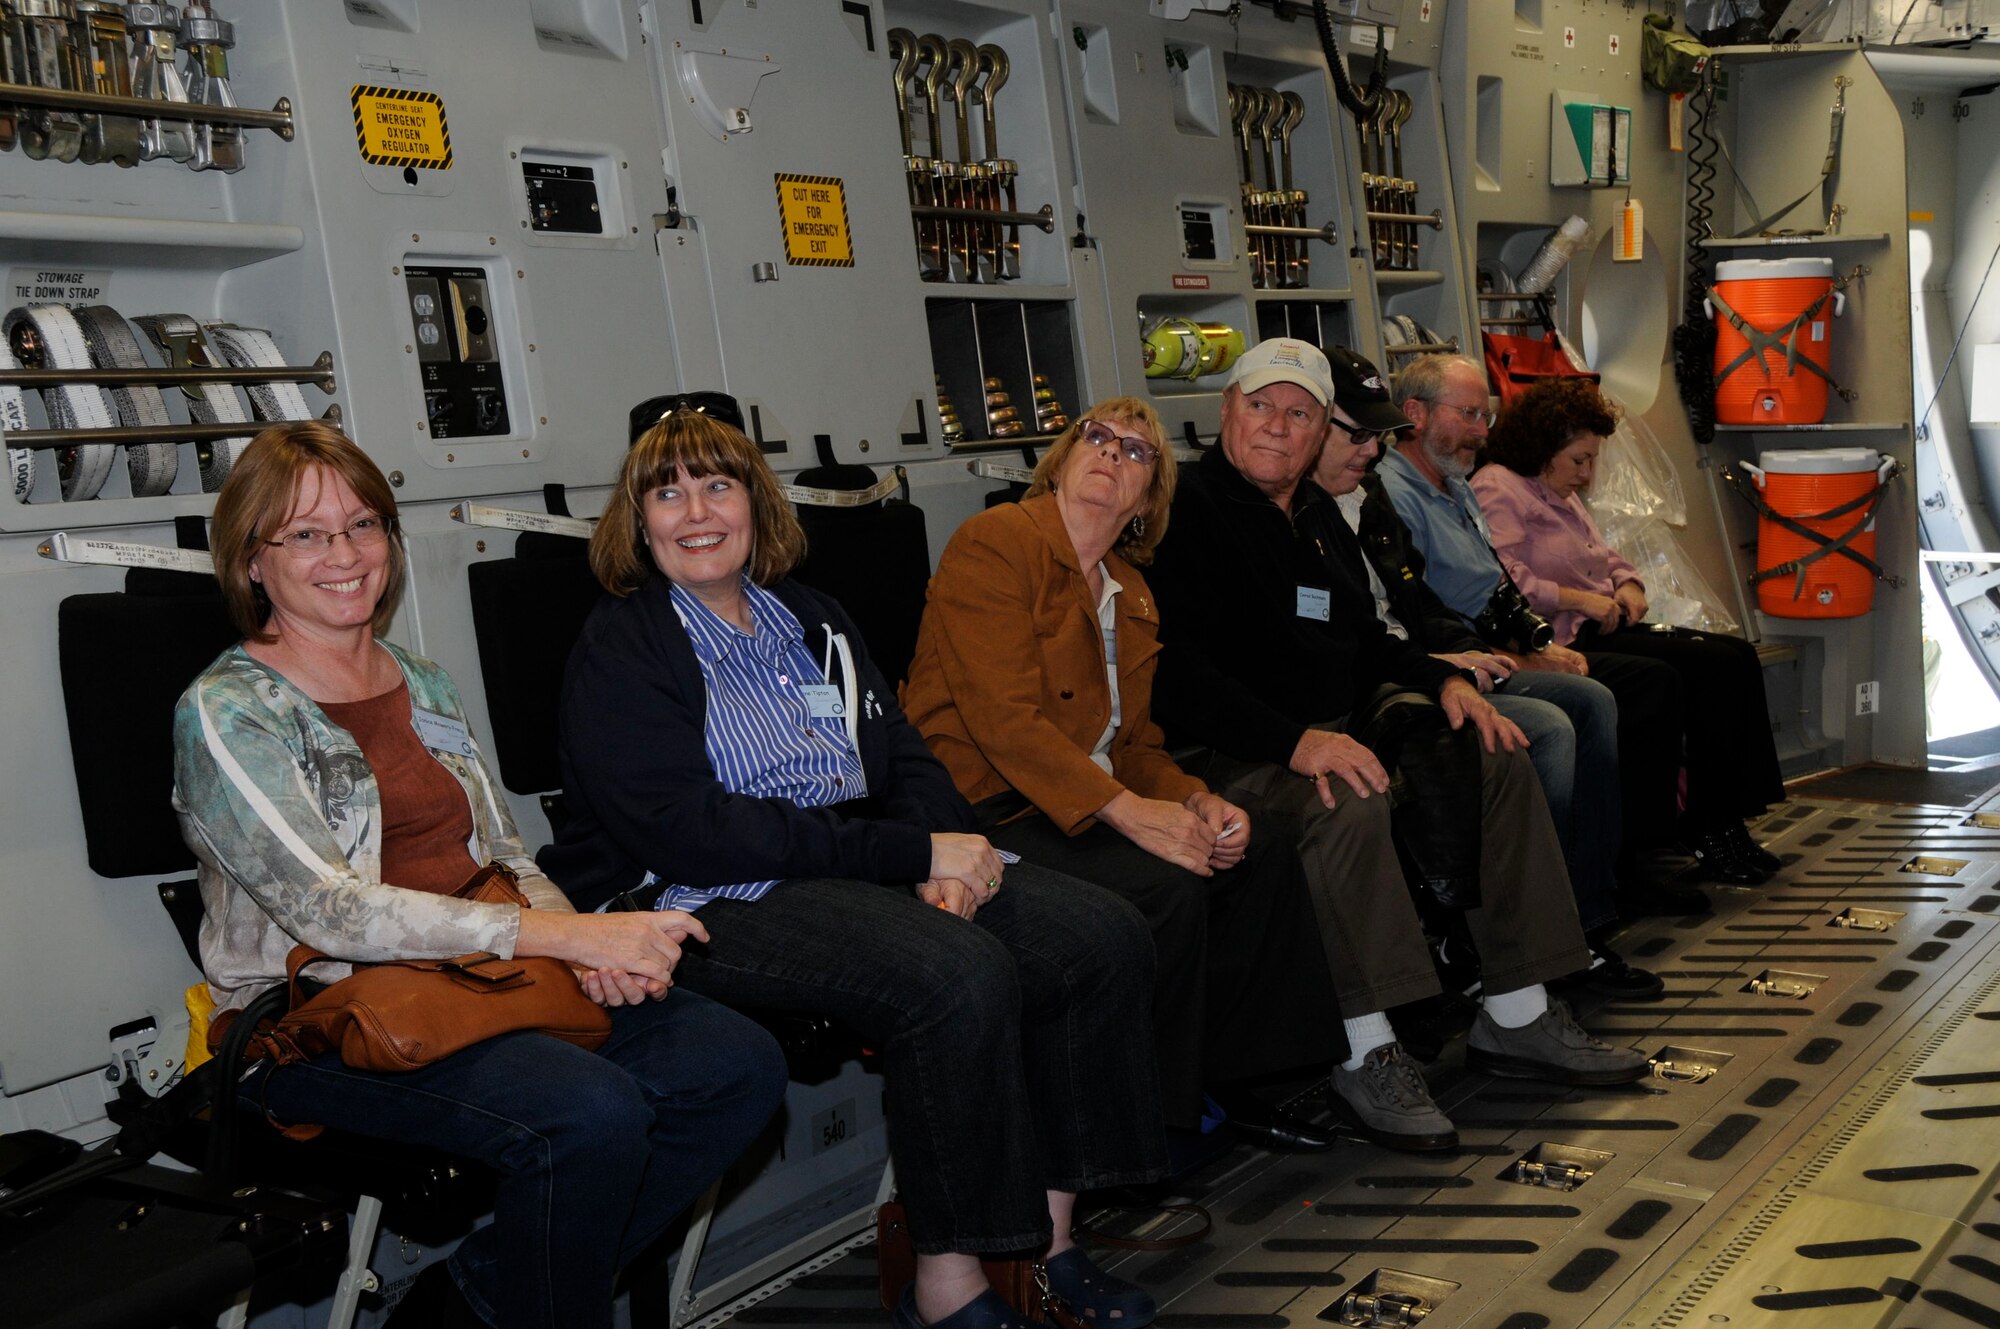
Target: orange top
x: 426, y: 822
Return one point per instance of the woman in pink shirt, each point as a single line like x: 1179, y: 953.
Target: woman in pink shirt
x: 1546, y: 448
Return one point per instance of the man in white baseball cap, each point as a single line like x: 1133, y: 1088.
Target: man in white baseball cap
x: 1281, y: 668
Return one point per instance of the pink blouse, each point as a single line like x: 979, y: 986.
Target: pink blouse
x: 1548, y: 543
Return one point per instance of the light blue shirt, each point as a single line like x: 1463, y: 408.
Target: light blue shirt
x: 1449, y: 532
x: 760, y: 734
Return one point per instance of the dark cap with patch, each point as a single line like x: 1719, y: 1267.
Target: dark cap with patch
x: 1362, y: 392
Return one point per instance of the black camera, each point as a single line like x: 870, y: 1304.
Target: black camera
x: 1509, y: 618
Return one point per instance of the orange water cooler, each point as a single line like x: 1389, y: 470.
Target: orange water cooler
x: 1804, y: 485
x: 1789, y: 304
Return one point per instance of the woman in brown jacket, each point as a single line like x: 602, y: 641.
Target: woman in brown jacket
x: 1035, y: 609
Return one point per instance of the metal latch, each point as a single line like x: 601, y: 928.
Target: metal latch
x: 1865, y: 920
x: 1382, y: 1310
x: 1555, y: 1176
x: 1682, y: 1073
x: 1780, y: 987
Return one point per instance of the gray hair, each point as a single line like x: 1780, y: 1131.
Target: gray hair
x: 1423, y: 379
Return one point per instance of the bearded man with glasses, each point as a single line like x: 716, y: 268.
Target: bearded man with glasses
x: 1424, y: 477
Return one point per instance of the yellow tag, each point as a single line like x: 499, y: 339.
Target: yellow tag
x: 813, y: 211
x: 1631, y: 239
x: 201, y: 1010
x: 1923, y: 216
x: 1676, y: 117
x: 401, y: 127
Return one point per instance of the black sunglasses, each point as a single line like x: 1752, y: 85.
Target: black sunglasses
x: 715, y: 405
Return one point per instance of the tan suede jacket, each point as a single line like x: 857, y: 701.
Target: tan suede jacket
x: 1008, y: 685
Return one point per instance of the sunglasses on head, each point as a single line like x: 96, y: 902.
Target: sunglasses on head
x: 715, y: 405
x: 1096, y: 433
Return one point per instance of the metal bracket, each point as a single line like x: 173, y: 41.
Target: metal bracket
x: 1381, y: 1310
x: 1554, y: 1176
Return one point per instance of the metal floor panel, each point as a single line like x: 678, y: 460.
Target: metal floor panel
x: 1837, y: 1170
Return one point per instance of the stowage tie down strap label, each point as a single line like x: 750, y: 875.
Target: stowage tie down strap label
x: 401, y: 127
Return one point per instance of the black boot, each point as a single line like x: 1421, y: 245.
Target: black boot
x: 1749, y: 851
x: 1719, y: 858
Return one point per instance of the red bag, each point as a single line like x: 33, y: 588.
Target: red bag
x: 1516, y: 362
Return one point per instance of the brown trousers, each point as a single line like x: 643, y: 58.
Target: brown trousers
x: 1526, y: 929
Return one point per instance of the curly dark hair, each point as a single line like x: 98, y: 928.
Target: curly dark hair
x: 1545, y: 419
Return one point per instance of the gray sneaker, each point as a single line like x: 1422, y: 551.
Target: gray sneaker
x: 1387, y: 1101
x: 1555, y: 1047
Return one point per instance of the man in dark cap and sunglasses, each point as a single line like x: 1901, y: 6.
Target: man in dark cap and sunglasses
x: 1283, y: 670
x: 1571, y: 722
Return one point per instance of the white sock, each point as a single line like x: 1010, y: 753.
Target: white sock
x: 1365, y: 1033
x: 1522, y: 1006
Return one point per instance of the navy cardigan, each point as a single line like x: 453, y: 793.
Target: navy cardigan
x: 641, y: 794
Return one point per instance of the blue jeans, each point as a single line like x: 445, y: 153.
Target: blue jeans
x: 1017, y: 1052
x: 1572, y: 728
x: 597, y: 1152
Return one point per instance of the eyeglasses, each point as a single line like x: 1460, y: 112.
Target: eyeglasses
x: 1356, y: 435
x: 1096, y: 434
x: 715, y: 405
x: 310, y: 541
x: 1472, y: 415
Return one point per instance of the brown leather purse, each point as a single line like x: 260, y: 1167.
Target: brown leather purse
x: 399, y: 1015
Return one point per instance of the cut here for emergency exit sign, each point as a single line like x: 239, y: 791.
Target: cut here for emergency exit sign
x: 813, y: 210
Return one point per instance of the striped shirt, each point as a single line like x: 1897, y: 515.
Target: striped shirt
x: 760, y: 733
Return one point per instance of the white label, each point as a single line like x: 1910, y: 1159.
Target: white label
x: 53, y: 285
x: 823, y: 701
x: 1819, y: 331
x: 1315, y: 602
x: 1424, y: 12
x: 63, y: 547
x: 508, y: 519
x: 1614, y: 43
x: 441, y: 733
x: 1569, y: 37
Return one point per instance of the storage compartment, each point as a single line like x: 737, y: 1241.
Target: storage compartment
x: 1006, y: 369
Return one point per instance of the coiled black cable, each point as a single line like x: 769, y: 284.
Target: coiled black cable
x: 1694, y: 339
x: 1360, y: 105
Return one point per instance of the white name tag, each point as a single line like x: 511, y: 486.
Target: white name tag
x: 1315, y: 602
x: 823, y: 701
x: 441, y: 733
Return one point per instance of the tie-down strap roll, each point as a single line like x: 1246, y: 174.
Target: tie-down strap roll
x: 61, y: 344
x: 1862, y: 507
x: 112, y: 346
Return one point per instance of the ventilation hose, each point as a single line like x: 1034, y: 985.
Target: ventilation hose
x: 1694, y: 339
x: 1359, y: 105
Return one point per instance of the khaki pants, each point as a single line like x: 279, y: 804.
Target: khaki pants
x: 1526, y: 928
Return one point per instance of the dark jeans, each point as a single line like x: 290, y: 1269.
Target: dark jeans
x: 1015, y: 1048
x: 1241, y: 987
x: 1650, y: 746
x: 1732, y: 758
x: 597, y: 1151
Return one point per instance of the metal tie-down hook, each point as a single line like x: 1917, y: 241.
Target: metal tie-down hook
x: 1003, y: 173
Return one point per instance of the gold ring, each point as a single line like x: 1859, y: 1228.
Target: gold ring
x: 993, y: 883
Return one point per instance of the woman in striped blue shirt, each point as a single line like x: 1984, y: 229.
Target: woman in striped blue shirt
x: 729, y: 747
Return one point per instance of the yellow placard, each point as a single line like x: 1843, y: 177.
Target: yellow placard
x: 401, y: 127
x: 813, y: 211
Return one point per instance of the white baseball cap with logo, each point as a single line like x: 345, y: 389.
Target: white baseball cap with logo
x: 1285, y: 360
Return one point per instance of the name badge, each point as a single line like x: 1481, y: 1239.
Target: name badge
x: 441, y: 733
x: 1315, y: 602
x: 823, y: 701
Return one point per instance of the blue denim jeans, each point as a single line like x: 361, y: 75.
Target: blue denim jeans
x: 1017, y: 1052
x: 597, y: 1152
x: 1572, y: 728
